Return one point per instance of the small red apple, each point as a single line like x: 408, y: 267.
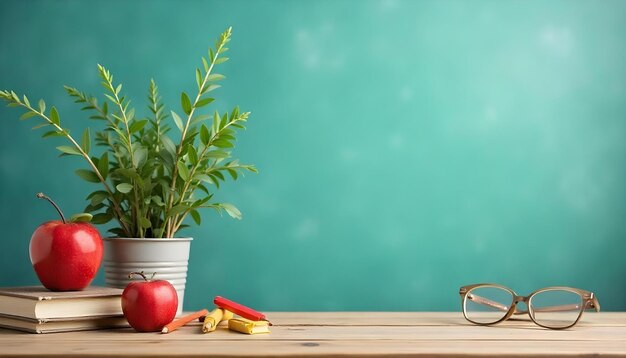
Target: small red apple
x: 149, y: 305
x: 65, y: 255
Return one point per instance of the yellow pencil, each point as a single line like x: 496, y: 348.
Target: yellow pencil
x: 214, y: 318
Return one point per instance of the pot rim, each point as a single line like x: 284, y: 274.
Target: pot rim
x: 151, y: 239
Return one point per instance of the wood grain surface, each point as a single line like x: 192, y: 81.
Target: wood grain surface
x: 338, y: 334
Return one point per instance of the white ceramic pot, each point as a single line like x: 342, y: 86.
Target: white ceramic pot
x: 167, y: 257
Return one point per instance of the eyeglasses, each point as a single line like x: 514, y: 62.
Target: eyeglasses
x: 550, y: 307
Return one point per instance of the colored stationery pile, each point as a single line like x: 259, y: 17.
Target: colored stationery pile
x: 37, y: 310
x: 250, y: 322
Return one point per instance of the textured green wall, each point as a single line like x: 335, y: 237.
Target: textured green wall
x: 405, y: 148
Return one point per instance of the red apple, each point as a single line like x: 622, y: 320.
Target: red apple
x: 65, y: 255
x: 149, y: 305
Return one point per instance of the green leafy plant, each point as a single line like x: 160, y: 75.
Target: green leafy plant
x: 150, y: 184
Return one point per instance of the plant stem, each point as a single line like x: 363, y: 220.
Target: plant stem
x: 178, y: 222
x: 154, y: 102
x: 135, y: 211
x: 43, y: 196
x: 170, y: 223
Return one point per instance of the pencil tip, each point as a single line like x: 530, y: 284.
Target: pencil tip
x: 164, y: 330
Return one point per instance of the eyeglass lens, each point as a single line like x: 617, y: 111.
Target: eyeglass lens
x: 487, y: 304
x: 556, y: 308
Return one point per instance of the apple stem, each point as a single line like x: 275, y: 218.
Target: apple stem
x: 142, y: 274
x: 43, y: 196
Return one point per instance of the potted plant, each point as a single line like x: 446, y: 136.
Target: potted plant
x: 150, y: 185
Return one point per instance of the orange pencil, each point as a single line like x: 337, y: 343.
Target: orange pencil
x: 177, y: 323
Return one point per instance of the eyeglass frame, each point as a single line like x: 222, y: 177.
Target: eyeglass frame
x: 589, y: 301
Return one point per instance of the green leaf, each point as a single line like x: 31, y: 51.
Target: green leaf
x: 196, y: 217
x: 52, y: 134
x: 198, y: 78
x: 168, y: 144
x: 54, y: 116
x: 27, y: 115
x: 178, y: 209
x: 222, y: 143
x: 215, y: 77
x: 42, y: 106
x: 231, y: 210
x: 215, y: 126
x: 185, y: 103
x: 193, y: 155
x: 92, y: 208
x: 157, y: 200
x: 216, y: 181
x: 124, y: 188
x: 183, y: 171
x: 98, y: 197
x: 210, y: 88
x: 204, y: 189
x: 86, y: 142
x: 82, y: 217
x: 218, y: 174
x: 144, y: 222
x: 88, y: 175
x: 101, y: 218
x: 15, y: 97
x: 148, y: 185
x: 127, y: 173
x: 95, y: 193
x: 177, y: 121
x: 117, y: 231
x: 221, y: 60
x: 216, y: 154
x: 103, y: 165
x: 41, y: 125
x: 205, y: 64
x: 200, y: 118
x: 140, y: 156
x: 130, y: 114
x: 204, y: 102
x: 69, y: 150
x: 137, y: 126
x: 113, y: 100
x: 203, y: 177
x: 205, y: 137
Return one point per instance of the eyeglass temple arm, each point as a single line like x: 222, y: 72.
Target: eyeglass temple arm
x: 487, y: 302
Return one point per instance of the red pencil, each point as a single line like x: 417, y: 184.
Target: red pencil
x: 236, y: 308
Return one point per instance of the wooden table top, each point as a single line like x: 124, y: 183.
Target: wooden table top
x: 341, y: 334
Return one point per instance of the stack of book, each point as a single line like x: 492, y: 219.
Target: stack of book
x: 37, y: 310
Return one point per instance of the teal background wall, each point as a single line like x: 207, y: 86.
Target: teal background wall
x: 406, y: 148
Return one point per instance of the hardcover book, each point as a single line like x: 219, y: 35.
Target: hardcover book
x: 52, y: 326
x: 38, y: 303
